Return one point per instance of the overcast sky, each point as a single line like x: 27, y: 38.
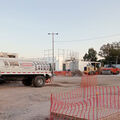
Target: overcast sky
x: 24, y: 25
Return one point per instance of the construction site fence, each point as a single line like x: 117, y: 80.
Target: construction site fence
x: 88, y: 80
x: 88, y: 102
x: 63, y: 73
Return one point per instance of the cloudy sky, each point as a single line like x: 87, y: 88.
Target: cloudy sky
x: 81, y: 24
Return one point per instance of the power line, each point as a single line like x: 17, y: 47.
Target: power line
x: 95, y: 38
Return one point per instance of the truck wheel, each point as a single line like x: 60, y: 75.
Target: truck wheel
x: 112, y: 73
x: 93, y: 73
x: 39, y: 81
x: 27, y: 82
x: 117, y: 72
x: 89, y: 73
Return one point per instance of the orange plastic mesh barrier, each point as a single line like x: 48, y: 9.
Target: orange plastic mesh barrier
x: 86, y: 103
x: 88, y: 80
x: 62, y: 73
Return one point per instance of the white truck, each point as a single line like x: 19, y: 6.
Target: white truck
x: 31, y: 71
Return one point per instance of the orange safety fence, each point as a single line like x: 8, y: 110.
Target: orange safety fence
x: 62, y: 73
x: 87, y: 81
x: 88, y: 102
x: 91, y: 103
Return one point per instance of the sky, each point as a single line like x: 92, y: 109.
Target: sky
x: 80, y: 24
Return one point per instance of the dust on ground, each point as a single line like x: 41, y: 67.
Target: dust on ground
x: 18, y: 102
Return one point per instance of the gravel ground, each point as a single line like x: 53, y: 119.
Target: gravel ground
x: 18, y: 102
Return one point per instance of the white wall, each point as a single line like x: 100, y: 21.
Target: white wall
x: 82, y: 64
x: 59, y: 63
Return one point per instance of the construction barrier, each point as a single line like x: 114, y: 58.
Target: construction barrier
x: 87, y: 81
x: 89, y: 102
x: 62, y: 73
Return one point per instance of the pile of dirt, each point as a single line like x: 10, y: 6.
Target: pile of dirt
x: 77, y: 73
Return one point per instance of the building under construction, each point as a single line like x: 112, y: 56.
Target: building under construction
x: 65, y: 60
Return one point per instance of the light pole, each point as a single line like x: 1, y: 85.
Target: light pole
x: 116, y: 60
x: 52, y: 50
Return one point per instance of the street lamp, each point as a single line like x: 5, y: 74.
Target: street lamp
x: 53, y: 34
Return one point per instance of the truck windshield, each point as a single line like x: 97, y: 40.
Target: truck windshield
x: 85, y: 68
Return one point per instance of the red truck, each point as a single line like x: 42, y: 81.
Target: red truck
x: 109, y: 69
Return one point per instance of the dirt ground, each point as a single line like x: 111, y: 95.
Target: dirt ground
x: 18, y: 102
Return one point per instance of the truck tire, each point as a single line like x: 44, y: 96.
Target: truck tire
x: 39, y: 81
x: 117, y: 72
x: 92, y: 73
x: 27, y: 82
x: 112, y: 73
x: 89, y: 73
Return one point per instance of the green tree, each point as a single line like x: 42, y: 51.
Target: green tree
x: 91, y: 55
x: 110, y: 53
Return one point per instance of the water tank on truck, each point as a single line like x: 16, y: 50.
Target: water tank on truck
x: 30, y: 71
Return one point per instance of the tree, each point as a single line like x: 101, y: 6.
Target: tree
x: 111, y: 53
x: 91, y: 55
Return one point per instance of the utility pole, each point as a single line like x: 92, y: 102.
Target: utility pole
x: 116, y: 60
x: 53, y: 34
